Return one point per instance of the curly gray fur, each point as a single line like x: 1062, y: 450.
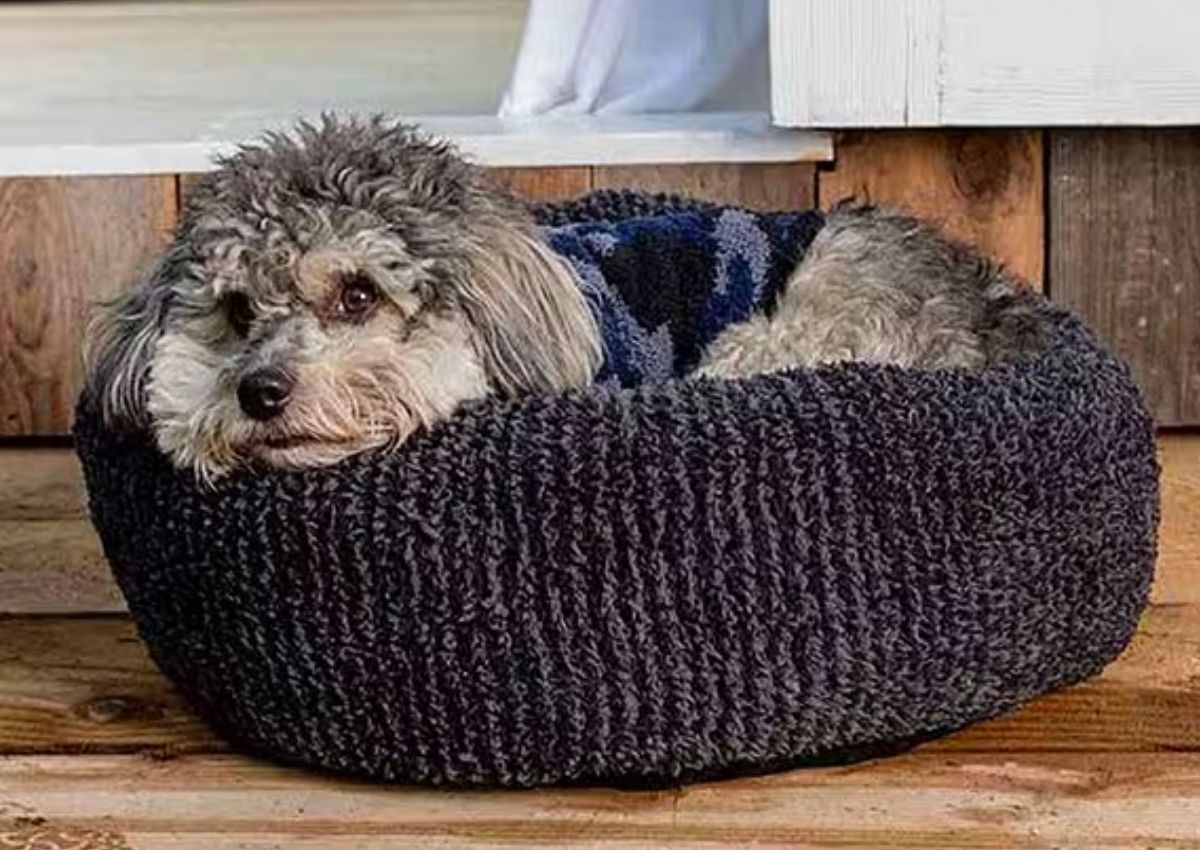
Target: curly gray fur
x: 470, y: 302
x: 877, y: 285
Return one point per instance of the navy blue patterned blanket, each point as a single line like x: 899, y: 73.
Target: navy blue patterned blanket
x: 663, y: 286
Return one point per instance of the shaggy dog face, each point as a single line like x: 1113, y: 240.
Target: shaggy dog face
x: 331, y: 292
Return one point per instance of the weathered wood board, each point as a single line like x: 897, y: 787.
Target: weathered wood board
x: 65, y: 243
x: 999, y: 800
x: 545, y: 184
x: 761, y: 187
x: 1124, y: 229
x: 984, y: 187
x: 86, y: 684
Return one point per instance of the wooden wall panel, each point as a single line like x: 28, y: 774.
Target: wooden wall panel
x: 763, y: 186
x: 63, y: 244
x: 1125, y: 252
x: 984, y: 187
x: 755, y: 185
x: 1123, y: 231
x: 544, y: 184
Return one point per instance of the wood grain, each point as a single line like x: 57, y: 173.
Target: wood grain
x: 1148, y: 700
x: 1178, y: 577
x: 50, y: 559
x: 184, y: 184
x: 984, y: 187
x: 544, y: 184
x: 1125, y: 252
x: 57, y: 676
x: 87, y: 685
x: 54, y: 566
x: 922, y: 800
x: 64, y: 244
x: 40, y: 483
x: 756, y: 186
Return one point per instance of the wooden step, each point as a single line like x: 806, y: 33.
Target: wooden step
x: 1096, y: 801
x: 98, y: 751
x: 1113, y: 763
x: 86, y: 685
x: 1178, y: 570
x: 50, y: 558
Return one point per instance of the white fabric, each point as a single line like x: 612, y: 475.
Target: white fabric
x: 610, y: 56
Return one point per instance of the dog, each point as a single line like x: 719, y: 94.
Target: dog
x: 339, y: 288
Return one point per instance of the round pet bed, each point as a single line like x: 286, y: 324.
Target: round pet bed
x: 642, y: 585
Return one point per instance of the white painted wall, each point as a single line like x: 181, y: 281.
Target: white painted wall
x: 898, y: 63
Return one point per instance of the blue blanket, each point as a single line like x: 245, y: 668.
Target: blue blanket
x: 663, y: 286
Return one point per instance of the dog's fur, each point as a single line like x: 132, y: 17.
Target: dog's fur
x: 279, y: 250
x: 879, y: 286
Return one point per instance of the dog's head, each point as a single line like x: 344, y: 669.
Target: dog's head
x: 331, y: 291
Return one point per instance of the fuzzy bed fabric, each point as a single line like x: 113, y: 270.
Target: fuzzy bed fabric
x: 638, y: 586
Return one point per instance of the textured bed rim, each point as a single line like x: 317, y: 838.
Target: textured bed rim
x: 641, y: 586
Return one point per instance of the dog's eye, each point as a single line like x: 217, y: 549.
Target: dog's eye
x: 359, y: 296
x: 238, y: 312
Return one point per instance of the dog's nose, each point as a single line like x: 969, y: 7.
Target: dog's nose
x: 264, y: 393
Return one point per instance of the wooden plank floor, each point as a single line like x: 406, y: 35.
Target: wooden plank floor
x: 919, y: 800
x: 98, y: 751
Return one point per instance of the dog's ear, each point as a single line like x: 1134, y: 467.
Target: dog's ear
x: 119, y: 344
x: 534, y: 328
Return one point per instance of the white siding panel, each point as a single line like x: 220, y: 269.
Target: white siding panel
x: 840, y: 62
x: 1072, y: 62
x: 861, y: 63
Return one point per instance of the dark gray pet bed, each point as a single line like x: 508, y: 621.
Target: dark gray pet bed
x: 638, y: 586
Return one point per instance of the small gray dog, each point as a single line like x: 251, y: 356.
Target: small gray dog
x: 340, y: 288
